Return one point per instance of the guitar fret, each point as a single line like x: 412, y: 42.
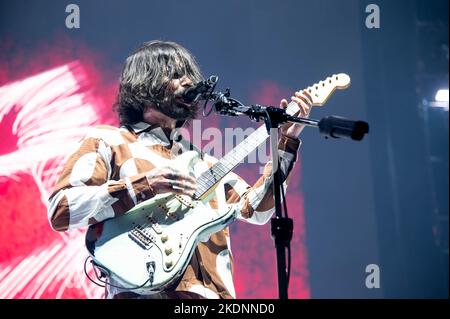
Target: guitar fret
x: 221, y: 171
x: 203, y: 181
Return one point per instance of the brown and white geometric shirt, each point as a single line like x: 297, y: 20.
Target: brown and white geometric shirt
x: 106, y: 177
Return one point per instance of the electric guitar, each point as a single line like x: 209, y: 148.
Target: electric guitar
x: 152, y: 244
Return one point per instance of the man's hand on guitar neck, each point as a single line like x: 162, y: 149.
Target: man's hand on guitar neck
x: 167, y: 179
x: 304, y: 102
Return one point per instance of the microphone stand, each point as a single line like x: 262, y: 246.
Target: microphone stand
x: 331, y: 126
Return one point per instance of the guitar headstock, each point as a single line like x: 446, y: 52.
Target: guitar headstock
x: 321, y: 91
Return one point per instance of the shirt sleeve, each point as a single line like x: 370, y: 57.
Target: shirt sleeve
x: 255, y: 204
x: 85, y: 194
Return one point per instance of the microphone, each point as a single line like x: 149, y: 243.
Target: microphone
x: 337, y: 126
x: 194, y: 93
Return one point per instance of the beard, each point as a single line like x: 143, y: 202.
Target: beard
x: 173, y: 106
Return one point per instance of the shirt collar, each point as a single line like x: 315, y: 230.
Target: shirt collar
x: 142, y: 127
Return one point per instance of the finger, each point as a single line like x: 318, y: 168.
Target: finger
x: 305, y: 98
x: 301, y: 104
x: 308, y: 96
x: 189, y: 179
x: 182, y: 176
x: 304, y: 103
x: 283, y: 103
x: 183, y: 190
x: 170, y: 175
x: 176, y: 175
x: 181, y: 184
x: 187, y: 185
x: 304, y: 95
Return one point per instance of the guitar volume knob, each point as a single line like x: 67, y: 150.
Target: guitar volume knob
x: 168, y: 251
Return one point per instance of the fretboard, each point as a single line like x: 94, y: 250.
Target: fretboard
x: 234, y: 157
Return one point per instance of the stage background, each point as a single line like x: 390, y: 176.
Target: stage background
x: 380, y: 201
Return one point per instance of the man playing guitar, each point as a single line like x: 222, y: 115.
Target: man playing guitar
x: 115, y: 169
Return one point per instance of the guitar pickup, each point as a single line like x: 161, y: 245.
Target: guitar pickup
x: 142, y: 237
x: 186, y: 202
x: 154, y: 224
x: 173, y: 216
x: 157, y: 229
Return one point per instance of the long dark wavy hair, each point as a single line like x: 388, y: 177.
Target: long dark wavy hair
x: 146, y: 74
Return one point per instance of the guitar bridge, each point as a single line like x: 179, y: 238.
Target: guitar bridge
x: 142, y: 237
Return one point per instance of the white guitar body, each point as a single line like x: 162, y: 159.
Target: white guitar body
x: 152, y: 244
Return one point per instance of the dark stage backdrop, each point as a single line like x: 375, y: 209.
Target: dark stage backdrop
x: 56, y: 82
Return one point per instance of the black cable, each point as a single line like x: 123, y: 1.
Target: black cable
x: 106, y: 282
x: 206, y: 102
x: 89, y: 277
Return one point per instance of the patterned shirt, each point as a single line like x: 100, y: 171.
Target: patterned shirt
x: 106, y: 177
